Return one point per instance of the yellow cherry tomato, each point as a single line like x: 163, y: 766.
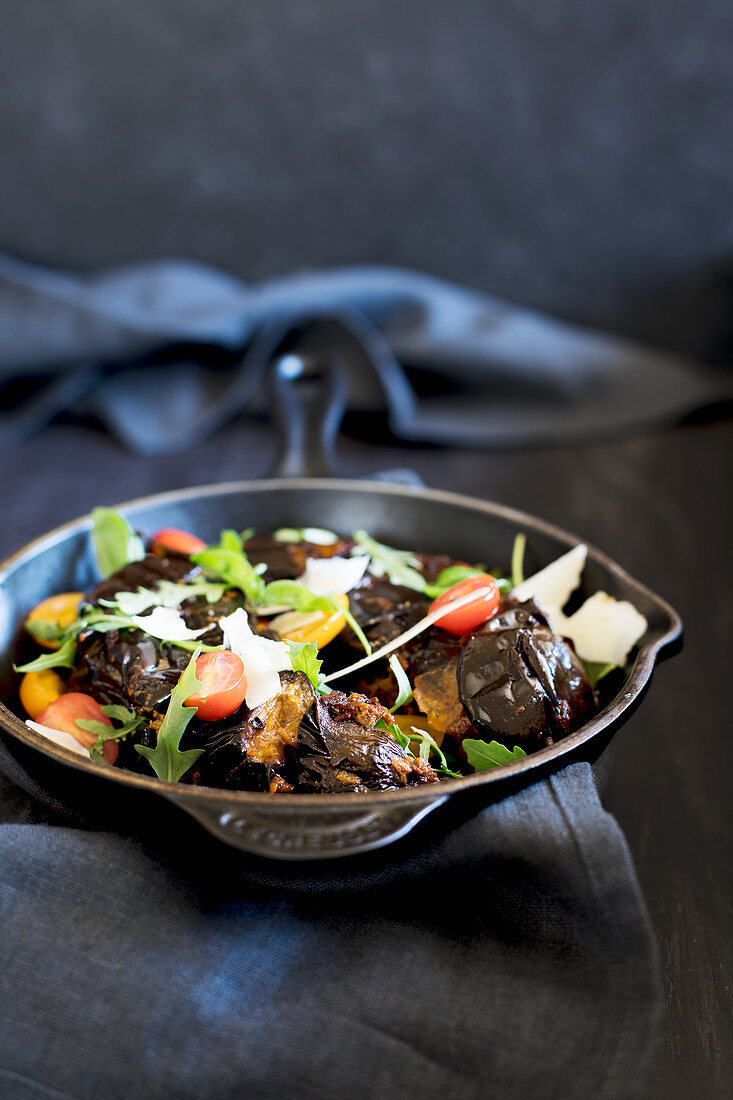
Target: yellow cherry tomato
x: 319, y: 627
x: 406, y: 722
x: 60, y: 610
x: 39, y: 689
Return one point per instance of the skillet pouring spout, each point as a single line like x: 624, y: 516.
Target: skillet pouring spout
x: 324, y: 826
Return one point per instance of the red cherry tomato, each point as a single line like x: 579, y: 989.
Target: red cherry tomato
x: 180, y: 542
x: 63, y: 713
x: 224, y: 685
x: 473, y: 613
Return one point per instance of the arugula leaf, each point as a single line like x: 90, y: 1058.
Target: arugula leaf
x: 230, y: 540
x: 401, y: 738
x: 503, y: 583
x: 404, y: 688
x: 132, y: 603
x: 130, y: 722
x: 103, y: 621
x: 165, y: 594
x: 520, y: 543
x: 363, y: 640
x: 114, y: 541
x: 449, y: 576
x: 228, y: 561
x: 44, y: 631
x: 297, y: 596
x: 166, y: 759
x: 597, y: 670
x: 304, y: 658
x: 63, y: 657
x: 483, y: 755
x: 427, y: 745
x: 399, y: 565
x: 122, y: 714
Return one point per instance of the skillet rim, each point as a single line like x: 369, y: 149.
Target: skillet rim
x: 630, y: 691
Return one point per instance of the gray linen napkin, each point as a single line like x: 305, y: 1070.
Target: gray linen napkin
x: 510, y: 956
x: 164, y: 353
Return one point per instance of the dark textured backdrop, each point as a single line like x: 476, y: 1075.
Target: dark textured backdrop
x: 574, y: 157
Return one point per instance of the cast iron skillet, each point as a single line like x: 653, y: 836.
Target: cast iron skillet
x: 302, y: 826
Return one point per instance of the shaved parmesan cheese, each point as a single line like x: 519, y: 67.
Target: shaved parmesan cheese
x: 59, y: 736
x: 333, y: 576
x: 294, y: 620
x: 552, y: 587
x: 319, y: 536
x: 166, y: 623
x: 605, y: 629
x: 263, y: 658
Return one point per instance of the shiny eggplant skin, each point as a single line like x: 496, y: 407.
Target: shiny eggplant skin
x: 300, y: 827
x: 518, y: 681
x: 338, y: 756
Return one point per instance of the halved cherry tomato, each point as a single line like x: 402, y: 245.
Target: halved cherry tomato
x: 39, y: 689
x: 473, y: 613
x: 60, y: 610
x: 319, y: 627
x: 62, y: 714
x: 224, y: 685
x: 180, y: 542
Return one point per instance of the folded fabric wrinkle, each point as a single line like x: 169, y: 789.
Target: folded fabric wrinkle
x: 448, y: 364
x: 511, y: 954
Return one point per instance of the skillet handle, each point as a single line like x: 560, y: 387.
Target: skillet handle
x: 309, y: 399
x: 279, y: 831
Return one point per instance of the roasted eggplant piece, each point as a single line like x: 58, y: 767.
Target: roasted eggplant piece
x: 341, y: 751
x: 519, y: 681
x: 197, y: 612
x: 384, y: 610
x: 436, y: 694
x: 254, y: 749
x: 131, y: 669
x: 286, y: 560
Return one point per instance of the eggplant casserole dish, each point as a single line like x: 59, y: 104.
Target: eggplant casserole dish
x: 308, y: 661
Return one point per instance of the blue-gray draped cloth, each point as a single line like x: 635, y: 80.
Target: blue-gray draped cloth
x: 510, y: 957
x: 164, y: 353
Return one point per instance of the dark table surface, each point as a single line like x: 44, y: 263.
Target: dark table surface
x: 660, y: 505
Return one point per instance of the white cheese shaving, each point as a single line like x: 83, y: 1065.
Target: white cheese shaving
x: 167, y: 624
x: 294, y: 620
x: 263, y: 658
x: 552, y: 587
x: 333, y: 576
x: 319, y: 536
x: 605, y: 629
x: 59, y: 736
